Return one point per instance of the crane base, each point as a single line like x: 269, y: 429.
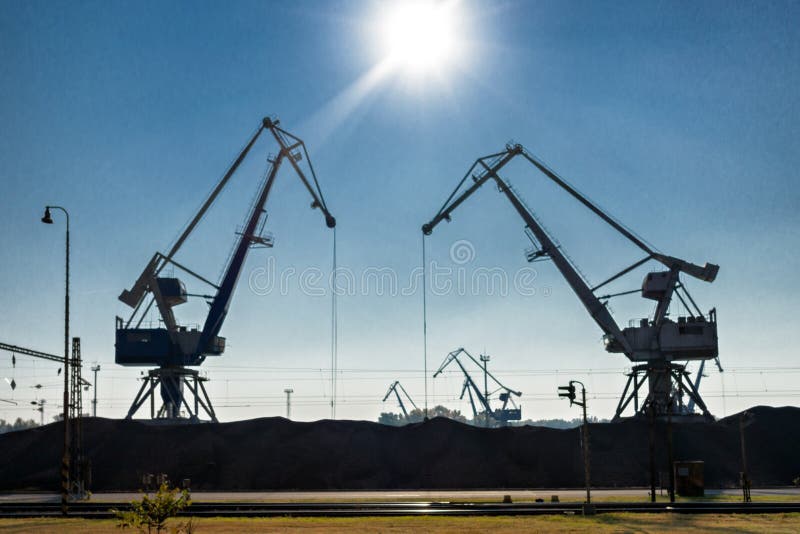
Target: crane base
x: 175, y: 407
x: 667, y: 383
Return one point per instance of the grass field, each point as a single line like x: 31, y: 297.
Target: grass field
x: 605, y: 523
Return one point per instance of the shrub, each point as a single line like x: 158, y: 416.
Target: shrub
x: 151, y: 513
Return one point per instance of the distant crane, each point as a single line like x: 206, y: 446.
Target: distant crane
x: 700, y: 375
x: 502, y: 415
x: 171, y: 346
x: 396, y: 388
x: 655, y: 342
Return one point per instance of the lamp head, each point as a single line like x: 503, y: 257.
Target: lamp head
x: 47, y: 219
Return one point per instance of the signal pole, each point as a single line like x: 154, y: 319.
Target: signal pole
x: 485, y: 359
x: 95, y: 368
x: 569, y: 393
x: 745, y: 479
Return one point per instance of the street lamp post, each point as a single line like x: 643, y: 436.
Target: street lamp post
x: 40, y: 408
x: 288, y: 392
x: 47, y: 219
x: 95, y: 368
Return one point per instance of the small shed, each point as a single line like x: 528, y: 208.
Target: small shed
x: 689, y: 481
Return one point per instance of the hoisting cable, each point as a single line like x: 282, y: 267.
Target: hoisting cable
x: 425, y: 323
x: 334, y: 331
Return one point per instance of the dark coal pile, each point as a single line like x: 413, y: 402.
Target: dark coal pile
x: 273, y: 453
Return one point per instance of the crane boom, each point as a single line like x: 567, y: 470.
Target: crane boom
x: 221, y: 302
x: 615, y: 338
x: 707, y: 273
x: 593, y: 305
x: 219, y: 307
x: 134, y: 296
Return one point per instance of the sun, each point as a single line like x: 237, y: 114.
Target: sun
x: 419, y: 36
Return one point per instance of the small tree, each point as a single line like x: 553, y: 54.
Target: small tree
x: 152, y: 512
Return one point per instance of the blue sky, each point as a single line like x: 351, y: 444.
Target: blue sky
x: 680, y: 118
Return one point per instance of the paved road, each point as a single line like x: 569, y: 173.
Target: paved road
x: 389, y: 496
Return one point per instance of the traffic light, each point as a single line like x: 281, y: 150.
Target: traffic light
x: 567, y: 392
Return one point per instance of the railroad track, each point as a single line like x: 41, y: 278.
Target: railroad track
x: 245, y: 509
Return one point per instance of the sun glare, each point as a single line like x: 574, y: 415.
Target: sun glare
x: 419, y: 35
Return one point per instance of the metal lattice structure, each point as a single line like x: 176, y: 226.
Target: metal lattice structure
x: 78, y: 465
x: 174, y: 404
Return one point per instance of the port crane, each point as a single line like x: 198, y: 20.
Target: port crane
x: 172, y: 346
x: 396, y: 385
x: 653, y: 344
x: 502, y: 415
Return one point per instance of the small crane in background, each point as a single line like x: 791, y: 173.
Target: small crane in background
x: 502, y: 415
x: 396, y: 388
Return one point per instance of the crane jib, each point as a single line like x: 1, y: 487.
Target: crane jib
x: 658, y: 340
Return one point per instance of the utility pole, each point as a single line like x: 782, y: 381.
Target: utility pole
x: 745, y: 478
x: 95, y: 369
x: 670, y: 453
x: 485, y: 359
x: 569, y: 393
x: 288, y: 392
x: 651, y: 411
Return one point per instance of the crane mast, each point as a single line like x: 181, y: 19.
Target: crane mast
x: 657, y: 341
x: 173, y: 346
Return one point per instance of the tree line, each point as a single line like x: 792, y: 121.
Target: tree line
x: 19, y: 424
x: 417, y: 415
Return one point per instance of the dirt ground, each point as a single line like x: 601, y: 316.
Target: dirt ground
x: 601, y: 524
